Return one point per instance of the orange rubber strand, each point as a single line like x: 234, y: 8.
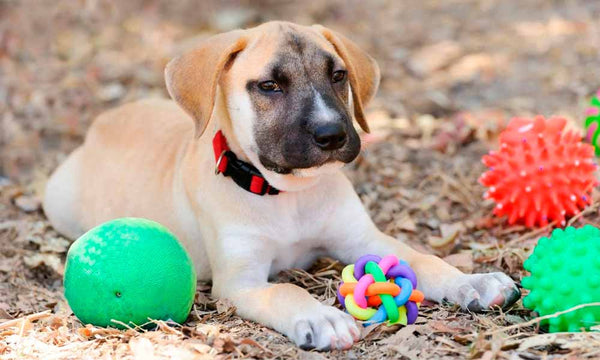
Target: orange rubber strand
x: 416, y: 296
x: 374, y: 301
x: 377, y: 288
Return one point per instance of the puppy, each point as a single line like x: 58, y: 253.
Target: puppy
x: 244, y: 167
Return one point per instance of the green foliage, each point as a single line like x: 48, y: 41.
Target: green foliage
x: 592, y: 123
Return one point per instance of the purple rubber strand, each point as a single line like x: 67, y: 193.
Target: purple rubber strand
x: 341, y: 299
x: 412, y: 311
x: 402, y: 271
x: 359, y: 265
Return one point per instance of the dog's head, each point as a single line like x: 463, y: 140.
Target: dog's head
x: 291, y: 91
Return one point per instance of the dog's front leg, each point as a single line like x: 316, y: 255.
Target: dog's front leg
x: 437, y: 279
x: 241, y: 275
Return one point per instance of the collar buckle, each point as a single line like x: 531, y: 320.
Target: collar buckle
x: 219, y: 159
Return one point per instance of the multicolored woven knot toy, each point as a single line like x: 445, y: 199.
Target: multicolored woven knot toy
x: 386, y: 281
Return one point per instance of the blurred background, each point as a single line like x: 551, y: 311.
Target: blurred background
x: 63, y: 62
x: 453, y: 73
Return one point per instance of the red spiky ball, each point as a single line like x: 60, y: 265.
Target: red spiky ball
x: 542, y: 172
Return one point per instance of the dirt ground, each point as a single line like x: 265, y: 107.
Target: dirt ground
x: 454, y: 72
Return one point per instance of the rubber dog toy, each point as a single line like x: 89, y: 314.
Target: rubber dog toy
x: 565, y: 272
x: 592, y: 122
x: 542, y: 172
x: 129, y: 270
x: 375, y: 290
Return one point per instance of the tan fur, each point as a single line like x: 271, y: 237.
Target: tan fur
x: 143, y: 160
x: 112, y: 147
x: 192, y: 78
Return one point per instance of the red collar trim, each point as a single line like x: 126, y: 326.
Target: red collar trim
x: 244, y: 174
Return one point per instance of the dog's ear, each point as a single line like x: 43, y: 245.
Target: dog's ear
x: 363, y: 71
x: 193, y: 77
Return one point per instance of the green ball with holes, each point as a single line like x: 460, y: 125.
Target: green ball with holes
x: 127, y: 272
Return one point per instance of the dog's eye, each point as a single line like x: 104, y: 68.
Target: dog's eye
x: 269, y: 86
x: 338, y: 76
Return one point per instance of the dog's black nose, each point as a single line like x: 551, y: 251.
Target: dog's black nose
x: 330, y: 137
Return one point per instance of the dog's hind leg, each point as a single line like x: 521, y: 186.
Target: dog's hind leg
x: 61, y: 199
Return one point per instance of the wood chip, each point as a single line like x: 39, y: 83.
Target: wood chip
x: 27, y: 203
x: 463, y: 261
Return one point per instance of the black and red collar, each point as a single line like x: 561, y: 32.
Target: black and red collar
x: 244, y: 174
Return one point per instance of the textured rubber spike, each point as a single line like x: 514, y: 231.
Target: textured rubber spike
x: 565, y: 272
x: 536, y: 171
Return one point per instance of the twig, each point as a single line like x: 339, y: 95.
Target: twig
x: 251, y: 342
x: 18, y: 321
x: 122, y: 324
x: 589, y: 209
x: 532, y: 233
x: 541, y: 318
x: 539, y: 231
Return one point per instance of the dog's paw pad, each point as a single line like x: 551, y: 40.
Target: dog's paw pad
x: 324, y: 328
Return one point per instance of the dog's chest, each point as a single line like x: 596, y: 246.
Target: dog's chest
x: 298, y: 231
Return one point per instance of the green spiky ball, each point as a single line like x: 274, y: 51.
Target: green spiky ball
x: 129, y: 270
x: 565, y: 272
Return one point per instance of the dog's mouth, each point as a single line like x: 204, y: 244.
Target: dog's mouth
x: 295, y: 159
x: 272, y: 166
x: 295, y: 170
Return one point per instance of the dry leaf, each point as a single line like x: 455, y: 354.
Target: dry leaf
x: 434, y: 57
x: 50, y: 260
x: 329, y: 301
x: 224, y: 305
x: 407, y: 341
x: 27, y: 203
x: 407, y: 224
x: 442, y: 327
x: 54, y: 244
x: 201, y: 348
x: 8, y: 264
x: 488, y: 355
x: 142, y: 348
x: 450, y: 231
x: 209, y: 330
x: 439, y: 242
x: 463, y: 261
x: 4, y: 316
x: 310, y: 355
x: 202, y: 299
x: 538, y: 340
x: 224, y: 343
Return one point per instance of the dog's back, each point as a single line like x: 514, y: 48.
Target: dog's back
x: 96, y: 173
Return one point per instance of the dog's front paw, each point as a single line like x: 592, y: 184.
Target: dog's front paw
x: 479, y: 292
x: 324, y: 328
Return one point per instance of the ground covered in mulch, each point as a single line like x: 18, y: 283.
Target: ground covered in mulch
x: 454, y: 72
